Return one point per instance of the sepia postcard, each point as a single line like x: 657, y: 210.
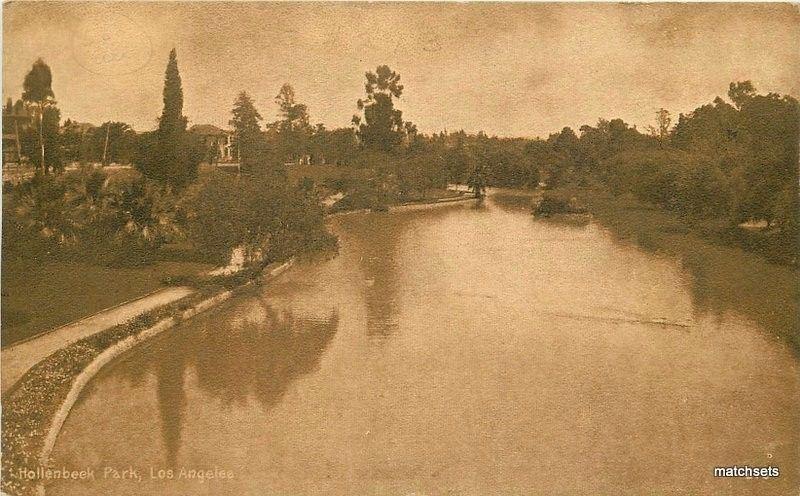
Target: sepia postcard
x: 379, y: 249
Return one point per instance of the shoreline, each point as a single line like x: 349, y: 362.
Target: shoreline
x: 405, y: 206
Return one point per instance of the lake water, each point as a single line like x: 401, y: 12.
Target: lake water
x: 462, y: 349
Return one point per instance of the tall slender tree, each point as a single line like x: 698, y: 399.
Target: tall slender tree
x: 170, y: 154
x: 38, y: 92
x: 172, y: 119
x: 172, y: 126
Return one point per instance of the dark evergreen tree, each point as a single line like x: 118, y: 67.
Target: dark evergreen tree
x: 248, y: 138
x: 170, y: 154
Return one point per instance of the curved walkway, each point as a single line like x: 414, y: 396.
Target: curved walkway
x: 19, y: 358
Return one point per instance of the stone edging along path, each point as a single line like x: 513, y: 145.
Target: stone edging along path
x: 109, y: 354
x: 20, y: 357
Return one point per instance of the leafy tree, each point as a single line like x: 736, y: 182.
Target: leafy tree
x: 248, y: 138
x: 419, y: 173
x: 337, y: 146
x: 76, y: 142
x: 607, y: 138
x: 38, y: 92
x: 767, y: 129
x: 293, y: 129
x: 565, y: 143
x: 752, y: 142
x: 650, y: 175
x: 506, y: 164
x: 661, y: 130
x: 456, y: 163
x: 702, y: 189
x: 710, y: 130
x: 741, y: 92
x: 477, y: 181
x: 260, y: 214
x: 113, y: 142
x: 545, y: 158
x: 45, y: 136
x: 381, y: 127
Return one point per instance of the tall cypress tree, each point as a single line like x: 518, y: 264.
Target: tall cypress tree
x: 172, y: 119
x: 170, y: 154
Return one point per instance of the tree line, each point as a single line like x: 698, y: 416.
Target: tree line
x: 129, y: 219
x: 728, y: 162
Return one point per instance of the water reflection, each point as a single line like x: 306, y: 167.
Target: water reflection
x: 171, y: 396
x: 721, y: 280
x: 374, y: 239
x: 263, y: 356
x: 255, y: 355
x: 376, y: 244
x: 724, y: 280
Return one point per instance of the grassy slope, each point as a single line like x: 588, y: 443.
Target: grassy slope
x: 39, y: 297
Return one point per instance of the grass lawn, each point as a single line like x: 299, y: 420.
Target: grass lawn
x: 40, y: 297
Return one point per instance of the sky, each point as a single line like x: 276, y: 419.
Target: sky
x: 507, y: 69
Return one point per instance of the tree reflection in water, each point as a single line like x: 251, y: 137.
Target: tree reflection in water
x: 373, y: 239
x: 245, y: 351
x: 171, y: 403
x: 725, y: 280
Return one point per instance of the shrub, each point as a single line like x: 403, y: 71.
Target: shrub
x: 207, y: 204
x: 262, y: 213
x: 553, y: 204
x: 363, y: 195
x: 171, y: 159
x: 36, y: 218
x: 94, y: 184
